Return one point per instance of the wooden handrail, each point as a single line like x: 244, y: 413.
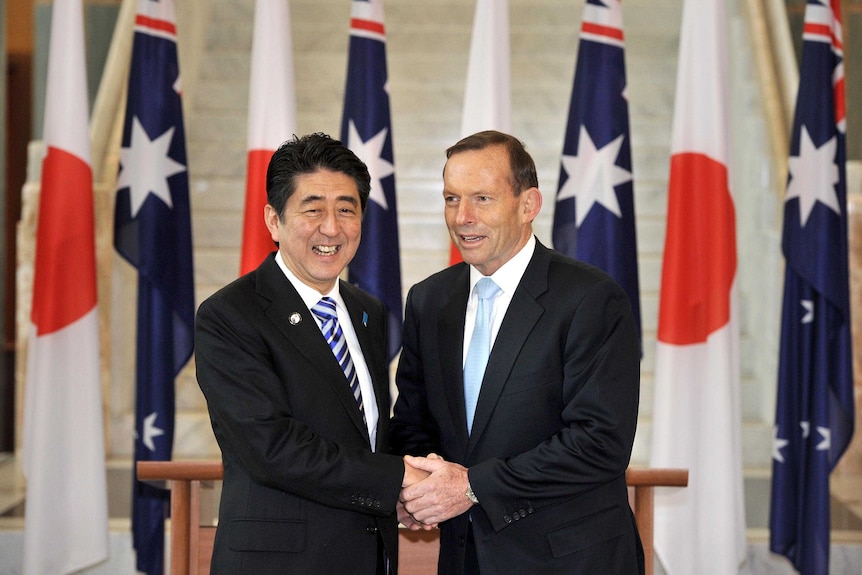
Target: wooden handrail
x: 180, y: 470
x: 643, y: 482
x: 186, y: 476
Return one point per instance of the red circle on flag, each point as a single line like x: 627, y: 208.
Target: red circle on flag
x: 700, y: 251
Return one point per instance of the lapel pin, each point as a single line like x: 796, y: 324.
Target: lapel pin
x: 295, y: 318
x: 365, y: 319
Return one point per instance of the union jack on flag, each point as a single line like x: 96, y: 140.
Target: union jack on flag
x: 814, y: 409
x: 594, y: 217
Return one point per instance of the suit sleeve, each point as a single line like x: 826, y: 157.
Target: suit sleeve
x: 413, y: 431
x: 601, y: 379
x: 251, y: 413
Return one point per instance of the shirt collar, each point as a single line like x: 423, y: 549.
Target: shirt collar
x: 309, y: 295
x: 510, y: 273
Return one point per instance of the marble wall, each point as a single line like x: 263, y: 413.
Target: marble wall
x: 428, y: 43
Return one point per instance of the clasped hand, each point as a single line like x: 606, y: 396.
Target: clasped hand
x: 433, y: 491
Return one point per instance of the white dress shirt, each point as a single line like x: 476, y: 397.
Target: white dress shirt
x: 507, y: 278
x: 311, y: 296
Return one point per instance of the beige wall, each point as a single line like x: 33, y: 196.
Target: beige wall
x: 427, y: 48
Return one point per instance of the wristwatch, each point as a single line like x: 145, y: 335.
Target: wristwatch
x: 471, y: 496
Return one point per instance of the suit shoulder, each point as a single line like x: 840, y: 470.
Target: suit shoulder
x: 444, y: 277
x: 441, y: 282
x: 360, y: 295
x: 237, y: 294
x: 563, y: 270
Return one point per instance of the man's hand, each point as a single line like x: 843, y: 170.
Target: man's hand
x: 439, y: 497
x: 412, y: 474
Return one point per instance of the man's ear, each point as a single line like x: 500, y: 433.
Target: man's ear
x: 532, y: 202
x: 271, y: 219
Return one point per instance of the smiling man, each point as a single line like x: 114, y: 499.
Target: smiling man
x: 292, y: 362
x: 520, y: 373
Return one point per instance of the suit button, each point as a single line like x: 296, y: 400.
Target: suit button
x: 361, y: 500
x: 377, y: 504
x: 462, y: 541
x: 507, y: 518
x: 522, y: 513
x: 372, y: 529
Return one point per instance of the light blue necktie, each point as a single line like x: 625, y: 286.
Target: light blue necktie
x: 325, y: 310
x: 480, y: 346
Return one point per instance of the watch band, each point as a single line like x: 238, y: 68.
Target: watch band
x: 471, y: 496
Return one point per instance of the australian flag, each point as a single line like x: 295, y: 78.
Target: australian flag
x: 366, y: 128
x: 153, y: 232
x: 594, y: 217
x: 814, y: 410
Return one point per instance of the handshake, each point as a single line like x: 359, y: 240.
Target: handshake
x: 433, y: 490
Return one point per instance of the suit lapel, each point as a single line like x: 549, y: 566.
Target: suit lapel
x: 521, y: 317
x: 359, y: 318
x: 288, y: 312
x: 451, y: 344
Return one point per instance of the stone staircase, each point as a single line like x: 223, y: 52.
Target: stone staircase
x: 427, y: 49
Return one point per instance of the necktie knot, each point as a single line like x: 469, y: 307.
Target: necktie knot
x: 486, y: 288
x: 325, y: 309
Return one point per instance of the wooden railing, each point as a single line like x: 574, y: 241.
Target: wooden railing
x: 192, y: 543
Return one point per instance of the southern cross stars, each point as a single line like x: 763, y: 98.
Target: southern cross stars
x: 150, y: 431
x: 592, y: 175
x: 371, y: 152
x: 779, y: 443
x: 813, y: 175
x: 146, y: 167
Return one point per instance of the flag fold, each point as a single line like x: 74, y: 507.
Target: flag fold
x: 697, y: 421
x: 366, y: 128
x: 63, y: 455
x: 153, y: 233
x: 814, y: 417
x: 594, y: 215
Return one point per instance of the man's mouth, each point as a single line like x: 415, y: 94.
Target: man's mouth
x: 326, y: 250
x: 471, y: 239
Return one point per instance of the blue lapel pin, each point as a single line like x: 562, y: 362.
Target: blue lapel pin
x: 365, y: 319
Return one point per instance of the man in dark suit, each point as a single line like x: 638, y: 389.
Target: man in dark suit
x: 528, y: 476
x: 299, y: 402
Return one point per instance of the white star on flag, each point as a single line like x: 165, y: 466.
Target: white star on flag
x: 146, y: 167
x: 151, y: 431
x: 592, y: 175
x: 809, y: 310
x: 813, y: 175
x: 826, y: 443
x: 370, y: 152
x: 777, y: 445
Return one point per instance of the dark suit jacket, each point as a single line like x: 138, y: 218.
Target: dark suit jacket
x: 554, y: 424
x: 302, y: 491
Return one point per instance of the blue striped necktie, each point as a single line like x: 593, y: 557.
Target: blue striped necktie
x: 480, y: 347
x: 325, y: 310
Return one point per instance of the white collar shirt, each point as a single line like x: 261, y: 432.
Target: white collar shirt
x: 310, y: 297
x: 507, y: 278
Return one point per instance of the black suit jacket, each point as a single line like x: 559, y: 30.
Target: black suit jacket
x: 302, y: 492
x: 554, y: 423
